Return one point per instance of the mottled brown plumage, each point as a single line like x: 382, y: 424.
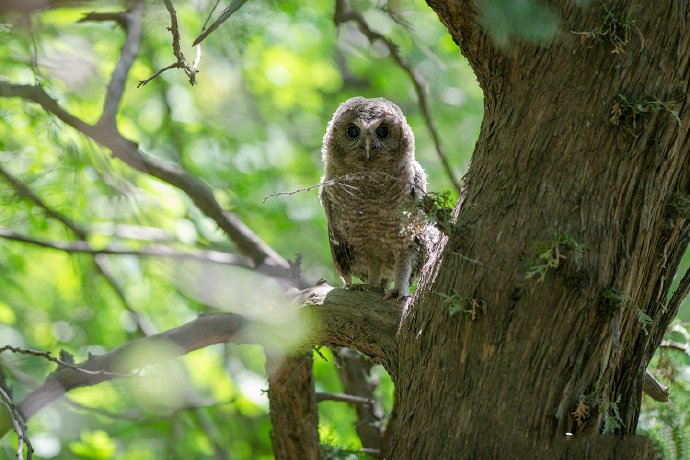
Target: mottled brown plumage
x: 368, y: 191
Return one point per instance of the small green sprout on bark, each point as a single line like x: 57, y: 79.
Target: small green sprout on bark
x: 678, y: 206
x: 627, y: 112
x: 438, y: 208
x: 461, y: 304
x: 611, y: 300
x: 550, y: 254
x: 612, y: 415
x: 644, y: 319
x: 614, y: 28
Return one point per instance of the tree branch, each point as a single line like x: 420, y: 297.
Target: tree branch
x: 101, y: 264
x: 119, y: 17
x: 653, y: 388
x: 19, y: 426
x: 292, y: 400
x: 342, y: 397
x: 129, y: 52
x: 156, y: 250
x: 355, y: 375
x: 340, y: 317
x: 181, y: 62
x: 31, y: 6
x: 343, y: 15
x: 247, y: 242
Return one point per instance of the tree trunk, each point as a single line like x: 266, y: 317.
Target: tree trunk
x: 561, y: 161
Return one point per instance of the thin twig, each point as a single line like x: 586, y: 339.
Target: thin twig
x: 224, y: 16
x: 341, y: 16
x: 19, y: 427
x: 342, y: 397
x: 210, y: 14
x: 62, y: 363
x: 174, y: 65
x: 149, y: 251
x: 181, y: 62
x: 340, y: 182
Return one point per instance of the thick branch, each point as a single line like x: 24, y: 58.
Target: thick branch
x: 359, y: 320
x: 247, y: 242
x: 292, y: 399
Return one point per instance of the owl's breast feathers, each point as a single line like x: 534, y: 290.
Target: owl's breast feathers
x: 372, y: 218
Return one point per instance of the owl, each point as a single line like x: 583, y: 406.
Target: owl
x: 369, y: 190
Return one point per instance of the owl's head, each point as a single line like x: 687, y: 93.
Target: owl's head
x: 368, y: 134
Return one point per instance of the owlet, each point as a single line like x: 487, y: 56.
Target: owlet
x: 368, y: 191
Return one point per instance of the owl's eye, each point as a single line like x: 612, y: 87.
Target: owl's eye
x: 382, y: 132
x: 352, y: 132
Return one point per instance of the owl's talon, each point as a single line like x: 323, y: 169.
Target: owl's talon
x: 395, y: 293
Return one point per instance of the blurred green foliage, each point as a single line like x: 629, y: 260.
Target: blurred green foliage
x: 269, y: 81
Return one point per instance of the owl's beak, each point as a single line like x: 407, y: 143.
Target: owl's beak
x: 367, y: 146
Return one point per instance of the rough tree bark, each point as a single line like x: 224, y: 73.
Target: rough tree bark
x: 550, y: 158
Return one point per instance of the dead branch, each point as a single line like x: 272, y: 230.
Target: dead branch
x: 653, y: 388
x: 181, y: 60
x: 224, y: 16
x: 343, y: 15
x: 18, y: 425
x: 342, y: 397
x: 61, y: 362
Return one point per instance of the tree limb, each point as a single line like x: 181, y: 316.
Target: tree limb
x: 343, y: 15
x: 355, y: 376
x: 340, y: 317
x: 247, y: 242
x: 130, y: 50
x: 342, y: 397
x: 101, y: 263
x: 19, y: 426
x: 181, y: 62
x: 155, y: 250
x: 119, y: 17
x: 292, y: 400
x: 31, y: 6
x: 653, y: 388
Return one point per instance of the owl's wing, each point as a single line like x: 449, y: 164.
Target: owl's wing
x: 341, y: 251
x: 419, y: 182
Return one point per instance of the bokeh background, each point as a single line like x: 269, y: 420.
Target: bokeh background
x: 270, y: 79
